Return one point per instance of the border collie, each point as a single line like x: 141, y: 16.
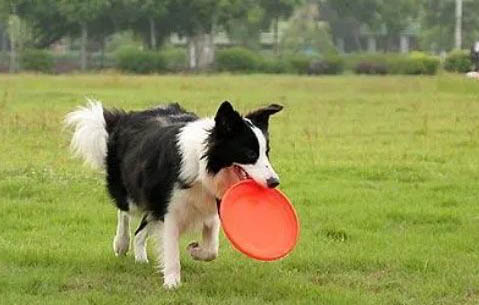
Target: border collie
x: 172, y: 168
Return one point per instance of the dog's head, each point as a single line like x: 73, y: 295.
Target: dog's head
x: 238, y: 147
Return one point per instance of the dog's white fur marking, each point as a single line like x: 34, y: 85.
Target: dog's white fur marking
x: 191, y: 141
x: 121, y: 242
x: 89, y: 136
x: 262, y: 170
x: 140, y: 245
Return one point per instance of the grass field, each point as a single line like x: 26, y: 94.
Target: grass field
x: 383, y: 171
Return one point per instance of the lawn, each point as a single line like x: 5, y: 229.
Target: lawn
x: 383, y: 171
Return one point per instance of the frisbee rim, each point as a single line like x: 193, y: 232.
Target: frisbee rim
x: 242, y: 249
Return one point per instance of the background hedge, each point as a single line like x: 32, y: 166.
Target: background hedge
x: 414, y: 63
x: 458, y: 61
x: 37, y: 60
x: 242, y: 60
x: 138, y: 61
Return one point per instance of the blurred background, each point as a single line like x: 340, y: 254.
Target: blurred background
x: 264, y: 36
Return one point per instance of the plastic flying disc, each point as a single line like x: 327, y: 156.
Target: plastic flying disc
x: 259, y: 222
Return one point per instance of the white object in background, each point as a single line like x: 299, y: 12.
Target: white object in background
x: 472, y: 74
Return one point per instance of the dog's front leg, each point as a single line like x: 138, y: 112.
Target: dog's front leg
x: 171, y: 253
x: 121, y: 242
x: 208, y: 250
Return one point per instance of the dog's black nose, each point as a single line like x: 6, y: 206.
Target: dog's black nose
x: 272, y: 182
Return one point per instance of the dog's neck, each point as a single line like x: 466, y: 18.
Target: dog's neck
x: 193, y: 141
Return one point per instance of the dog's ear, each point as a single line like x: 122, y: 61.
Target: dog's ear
x: 227, y: 120
x: 260, y: 117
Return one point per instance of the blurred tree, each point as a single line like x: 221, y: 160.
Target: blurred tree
x: 3, y: 36
x: 394, y: 17
x: 397, y: 15
x: 365, y: 11
x: 46, y: 21
x: 197, y: 21
x: 346, y: 17
x: 245, y: 23
x: 148, y: 18
x: 438, y: 22
x: 306, y: 34
x: 16, y: 29
x: 274, y: 10
x: 470, y: 23
x: 82, y: 13
x: 3, y: 26
x: 4, y: 9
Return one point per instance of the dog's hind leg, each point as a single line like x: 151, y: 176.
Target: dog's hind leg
x: 208, y: 250
x: 141, y: 236
x: 121, y: 242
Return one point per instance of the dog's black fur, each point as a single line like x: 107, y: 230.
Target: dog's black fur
x: 143, y: 159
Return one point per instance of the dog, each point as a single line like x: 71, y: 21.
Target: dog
x: 172, y: 168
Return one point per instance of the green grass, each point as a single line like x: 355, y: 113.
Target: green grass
x: 384, y: 174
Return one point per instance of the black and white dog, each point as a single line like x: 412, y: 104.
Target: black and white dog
x: 172, y: 168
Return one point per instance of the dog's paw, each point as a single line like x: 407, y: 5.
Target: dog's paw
x: 141, y: 259
x: 121, y: 244
x: 199, y: 253
x: 140, y: 255
x: 171, y: 281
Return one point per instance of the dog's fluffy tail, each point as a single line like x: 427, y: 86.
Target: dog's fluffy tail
x: 90, y: 135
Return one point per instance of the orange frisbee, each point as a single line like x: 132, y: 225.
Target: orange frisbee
x: 259, y: 222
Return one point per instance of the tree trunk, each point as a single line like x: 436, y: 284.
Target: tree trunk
x: 201, y: 51
x: 12, y: 68
x: 357, y: 41
x: 276, y: 35
x: 404, y: 44
x: 4, y: 40
x: 340, y: 45
x: 372, y: 46
x: 102, y: 52
x: 208, y: 51
x: 192, y: 53
x: 152, y: 33
x: 83, y: 46
x: 458, y: 31
x: 389, y: 44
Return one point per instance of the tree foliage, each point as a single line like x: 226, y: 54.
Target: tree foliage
x: 243, y: 20
x: 363, y: 11
x: 438, y: 22
x: 306, y: 34
x: 279, y: 8
x: 46, y: 22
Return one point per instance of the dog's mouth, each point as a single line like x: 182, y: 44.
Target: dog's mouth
x: 240, y: 173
